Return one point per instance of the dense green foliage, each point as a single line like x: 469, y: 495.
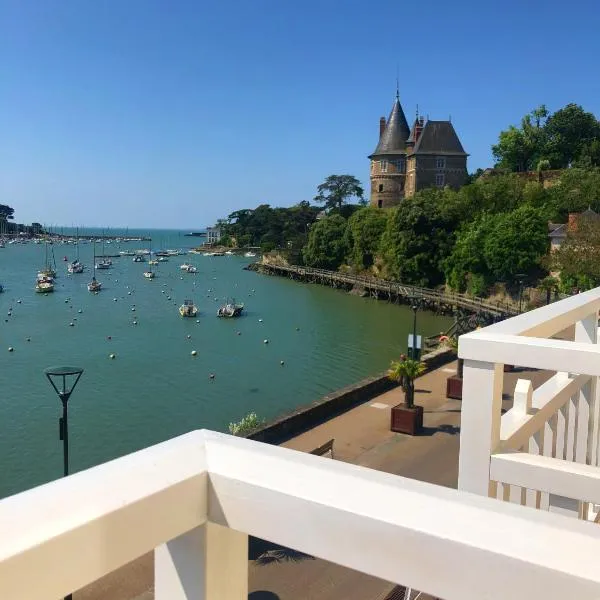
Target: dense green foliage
x: 326, y: 247
x: 363, y: 237
x: 566, y: 138
x: 6, y: 212
x: 268, y: 227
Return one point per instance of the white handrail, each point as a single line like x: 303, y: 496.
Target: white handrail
x: 58, y: 537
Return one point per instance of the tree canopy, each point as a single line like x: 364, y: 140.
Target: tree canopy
x: 567, y: 137
x: 326, y: 247
x: 337, y: 190
x: 6, y: 212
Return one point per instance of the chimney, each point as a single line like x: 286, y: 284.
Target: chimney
x: 381, y: 126
x: 572, y: 224
x: 419, y: 128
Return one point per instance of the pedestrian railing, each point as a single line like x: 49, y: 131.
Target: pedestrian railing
x: 543, y: 452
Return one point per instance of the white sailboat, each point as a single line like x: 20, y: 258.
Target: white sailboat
x: 76, y: 266
x: 94, y: 285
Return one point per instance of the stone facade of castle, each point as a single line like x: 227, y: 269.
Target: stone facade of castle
x: 409, y: 159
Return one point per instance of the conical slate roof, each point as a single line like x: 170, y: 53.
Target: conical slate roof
x: 393, y: 140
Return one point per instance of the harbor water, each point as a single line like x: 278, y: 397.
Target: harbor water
x: 154, y: 388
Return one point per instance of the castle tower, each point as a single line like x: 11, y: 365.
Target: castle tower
x: 388, y: 161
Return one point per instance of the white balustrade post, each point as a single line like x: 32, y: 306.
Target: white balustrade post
x: 207, y: 563
x: 480, y: 424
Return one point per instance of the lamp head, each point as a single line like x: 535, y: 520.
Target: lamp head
x: 63, y: 379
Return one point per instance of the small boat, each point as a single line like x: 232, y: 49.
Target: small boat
x: 188, y: 309
x: 149, y: 274
x: 65, y: 259
x: 94, y: 285
x: 230, y: 310
x: 152, y: 262
x: 47, y: 274
x: 127, y: 253
x: 44, y: 285
x: 191, y: 269
x: 250, y: 255
x: 185, y: 266
x: 162, y: 259
x: 75, y: 267
x: 139, y: 258
x: 229, y: 253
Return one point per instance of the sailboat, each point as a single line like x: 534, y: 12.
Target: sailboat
x: 48, y: 270
x: 76, y: 266
x: 149, y: 273
x: 105, y: 262
x: 94, y: 285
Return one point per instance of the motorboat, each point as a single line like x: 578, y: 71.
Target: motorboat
x: 153, y: 262
x: 250, y: 255
x: 162, y: 259
x: 230, y: 310
x: 149, y: 274
x: 44, y: 285
x: 191, y: 269
x: 188, y: 309
x: 185, y: 266
x: 75, y: 267
x: 139, y: 258
x: 105, y: 263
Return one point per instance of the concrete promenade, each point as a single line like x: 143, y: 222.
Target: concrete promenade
x: 362, y: 436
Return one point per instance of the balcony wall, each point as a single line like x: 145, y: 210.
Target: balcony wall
x: 195, y: 499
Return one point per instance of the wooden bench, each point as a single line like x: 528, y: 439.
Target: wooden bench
x: 324, y: 449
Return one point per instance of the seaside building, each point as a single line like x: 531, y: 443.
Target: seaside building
x: 213, y: 235
x: 409, y: 159
x: 523, y: 523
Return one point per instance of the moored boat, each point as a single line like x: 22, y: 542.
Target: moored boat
x: 191, y: 269
x: 185, y: 266
x: 250, y: 255
x: 230, y: 310
x: 44, y: 285
x: 149, y: 274
x: 139, y: 258
x: 75, y: 267
x: 94, y: 285
x: 188, y: 309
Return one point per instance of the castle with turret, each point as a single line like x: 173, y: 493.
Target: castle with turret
x: 409, y: 159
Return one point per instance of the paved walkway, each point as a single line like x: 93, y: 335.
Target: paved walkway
x: 362, y: 436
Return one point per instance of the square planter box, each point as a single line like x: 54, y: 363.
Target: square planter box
x: 407, y: 420
x: 454, y: 387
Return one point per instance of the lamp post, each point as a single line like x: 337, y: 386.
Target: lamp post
x: 413, y: 351
x: 520, y: 279
x: 64, y: 380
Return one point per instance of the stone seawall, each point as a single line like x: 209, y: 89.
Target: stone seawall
x: 336, y: 403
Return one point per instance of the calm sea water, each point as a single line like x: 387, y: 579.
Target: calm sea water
x: 154, y: 389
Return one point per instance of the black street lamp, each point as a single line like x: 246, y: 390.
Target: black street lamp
x: 64, y: 380
x: 520, y: 279
x: 413, y: 352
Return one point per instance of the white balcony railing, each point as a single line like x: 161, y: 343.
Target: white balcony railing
x: 196, y: 498
x: 543, y: 452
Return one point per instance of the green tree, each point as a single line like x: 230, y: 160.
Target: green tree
x: 516, y: 243
x: 570, y: 132
x: 326, y: 247
x: 363, y: 236
x: 520, y: 149
x: 337, y: 189
x: 6, y: 212
x: 405, y: 371
x: 417, y: 238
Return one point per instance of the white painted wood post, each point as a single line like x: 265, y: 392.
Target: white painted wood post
x: 207, y: 563
x: 480, y: 425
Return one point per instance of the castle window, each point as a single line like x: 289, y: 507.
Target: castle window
x: 400, y: 165
x: 439, y: 180
x: 440, y: 162
x: 381, y: 187
x: 379, y: 203
x: 384, y: 166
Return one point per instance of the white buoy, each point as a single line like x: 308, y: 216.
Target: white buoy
x: 281, y: 363
x: 193, y: 353
x: 189, y: 337
x: 10, y: 348
x: 163, y: 291
x: 114, y: 299
x: 133, y: 308
x: 111, y: 355
x: 19, y: 301
x: 28, y: 339
x: 197, y: 320
x: 260, y: 320
x: 129, y: 293
x: 265, y: 341
x: 71, y: 324
x: 79, y: 311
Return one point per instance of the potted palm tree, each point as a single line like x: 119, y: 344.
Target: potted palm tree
x: 406, y: 417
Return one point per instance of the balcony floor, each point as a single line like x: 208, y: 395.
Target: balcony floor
x: 362, y: 436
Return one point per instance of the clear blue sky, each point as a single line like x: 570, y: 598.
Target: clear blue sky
x: 176, y: 112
